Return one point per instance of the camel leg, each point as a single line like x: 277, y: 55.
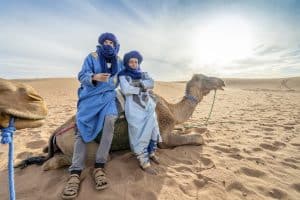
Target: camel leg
x: 58, y: 161
x: 175, y: 139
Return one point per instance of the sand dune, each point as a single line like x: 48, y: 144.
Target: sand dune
x: 252, y: 151
x: 279, y: 84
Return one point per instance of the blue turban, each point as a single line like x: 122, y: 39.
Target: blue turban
x: 132, y: 54
x: 128, y: 71
x: 108, y: 36
x: 107, y: 53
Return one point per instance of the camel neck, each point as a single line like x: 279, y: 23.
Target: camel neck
x: 184, y: 109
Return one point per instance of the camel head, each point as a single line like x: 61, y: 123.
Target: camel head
x: 200, y: 85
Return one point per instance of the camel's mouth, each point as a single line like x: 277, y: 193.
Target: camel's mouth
x: 221, y: 87
x: 217, y: 83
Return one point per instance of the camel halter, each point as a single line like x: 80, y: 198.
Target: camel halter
x: 196, y: 101
x: 211, y: 108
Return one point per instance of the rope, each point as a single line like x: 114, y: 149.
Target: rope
x: 7, y: 138
x: 211, y: 108
x: 73, y: 125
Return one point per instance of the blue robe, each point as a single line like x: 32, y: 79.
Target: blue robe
x: 140, y: 114
x: 95, y: 99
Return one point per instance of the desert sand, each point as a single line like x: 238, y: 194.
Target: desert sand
x: 251, y: 151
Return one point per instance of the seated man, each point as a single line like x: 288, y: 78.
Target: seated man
x: 96, y: 110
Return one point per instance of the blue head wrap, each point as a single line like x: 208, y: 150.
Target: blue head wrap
x: 128, y: 71
x: 107, y: 53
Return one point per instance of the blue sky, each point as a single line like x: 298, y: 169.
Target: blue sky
x: 177, y: 38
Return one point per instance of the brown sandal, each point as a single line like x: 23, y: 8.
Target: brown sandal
x: 100, y: 179
x: 72, y: 187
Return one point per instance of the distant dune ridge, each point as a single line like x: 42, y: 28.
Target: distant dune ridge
x: 266, y: 84
x: 251, y: 151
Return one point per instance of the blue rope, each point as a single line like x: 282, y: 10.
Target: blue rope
x: 7, y: 138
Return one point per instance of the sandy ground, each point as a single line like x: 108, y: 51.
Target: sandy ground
x: 252, y: 151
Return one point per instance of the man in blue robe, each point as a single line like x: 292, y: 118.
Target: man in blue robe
x: 140, y: 112
x: 96, y: 111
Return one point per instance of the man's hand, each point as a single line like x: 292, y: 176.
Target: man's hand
x: 102, y: 77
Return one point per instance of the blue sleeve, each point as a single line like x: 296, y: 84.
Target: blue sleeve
x: 126, y: 88
x: 147, y: 82
x: 85, y: 75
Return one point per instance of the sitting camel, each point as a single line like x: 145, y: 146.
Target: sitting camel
x: 20, y: 107
x: 60, y: 148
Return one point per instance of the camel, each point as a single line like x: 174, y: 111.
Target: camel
x: 20, y: 107
x: 22, y: 102
x: 61, y: 142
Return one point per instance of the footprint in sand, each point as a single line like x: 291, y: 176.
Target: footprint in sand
x: 254, y: 135
x: 206, y: 163
x: 279, y: 144
x: 183, y: 169
x: 238, y: 186
x: 257, y: 160
x: 289, y: 165
x: 256, y: 149
x: 268, y: 138
x: 236, y: 156
x: 252, y: 172
x: 277, y: 193
x: 291, y: 160
x: 200, y: 183
x: 226, y: 150
x: 225, y: 145
x: 295, y: 144
x: 268, y: 129
x: 268, y: 147
x: 296, y: 186
x: 36, y: 144
x: 288, y: 127
x: 187, y: 189
x: 246, y: 151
